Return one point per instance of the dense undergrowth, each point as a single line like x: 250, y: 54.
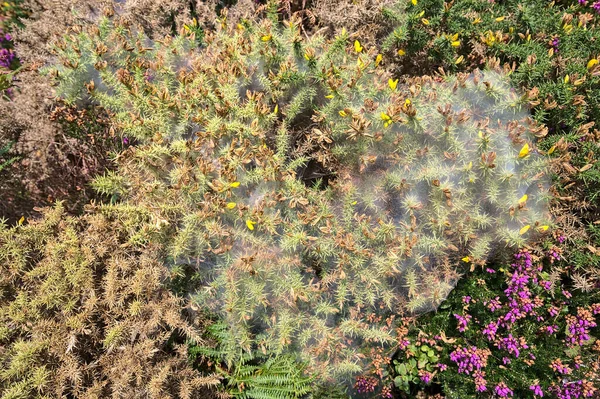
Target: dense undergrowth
x: 282, y: 203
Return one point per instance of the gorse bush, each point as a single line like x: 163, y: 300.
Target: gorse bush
x: 315, y: 196
x: 553, y: 49
x: 81, y: 315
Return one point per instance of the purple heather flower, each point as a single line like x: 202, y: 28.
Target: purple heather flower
x: 463, y: 322
x: 503, y: 391
x: 511, y: 345
x: 126, y: 140
x: 425, y: 376
x: 480, y: 381
x: 596, y: 6
x: 6, y: 57
x: 551, y: 329
x: 365, y: 384
x: 490, y: 331
x: 469, y: 359
x: 573, y: 390
x: 494, y: 304
x: 578, y: 327
x: 537, y: 390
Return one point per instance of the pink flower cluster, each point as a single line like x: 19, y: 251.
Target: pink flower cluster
x: 365, y: 384
x: 463, y: 322
x: 512, y: 345
x: 470, y: 359
x: 425, y: 376
x: 7, y: 56
x: 503, y: 391
x: 573, y: 389
x: 578, y: 327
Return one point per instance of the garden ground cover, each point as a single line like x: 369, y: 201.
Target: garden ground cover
x: 226, y: 167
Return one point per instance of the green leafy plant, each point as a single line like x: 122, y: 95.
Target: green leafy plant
x: 407, y: 371
x: 253, y: 375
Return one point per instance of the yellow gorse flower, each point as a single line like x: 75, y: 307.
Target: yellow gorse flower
x: 524, y: 151
x: 378, y: 60
x: 592, y: 63
x: 234, y: 184
x: 490, y: 38
x: 387, y: 120
x: 357, y: 47
x: 523, y: 199
x: 266, y: 38
x: 250, y: 224
x: 524, y: 229
x: 360, y: 63
x: 392, y: 83
x: 230, y: 205
x: 401, y: 52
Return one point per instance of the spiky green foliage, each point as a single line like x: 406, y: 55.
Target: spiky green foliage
x: 424, y: 176
x: 253, y: 375
x: 81, y: 315
x: 541, y: 40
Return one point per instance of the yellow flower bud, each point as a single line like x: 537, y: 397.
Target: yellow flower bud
x: 524, y: 151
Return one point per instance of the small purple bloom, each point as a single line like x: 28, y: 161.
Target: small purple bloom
x: 537, y: 390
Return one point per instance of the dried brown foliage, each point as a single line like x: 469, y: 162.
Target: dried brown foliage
x: 83, y: 315
x: 53, y: 165
x: 362, y: 17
